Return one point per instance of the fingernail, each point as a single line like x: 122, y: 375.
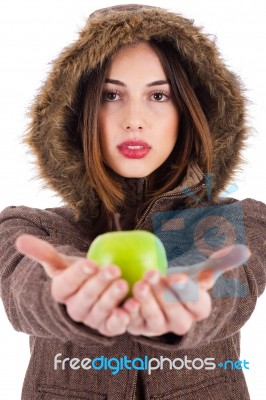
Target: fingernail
x: 153, y: 277
x: 88, y: 270
x: 143, y: 291
x: 180, y: 279
x: 110, y: 273
x: 117, y: 289
x: 132, y: 305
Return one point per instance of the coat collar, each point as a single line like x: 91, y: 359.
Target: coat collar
x: 136, y: 189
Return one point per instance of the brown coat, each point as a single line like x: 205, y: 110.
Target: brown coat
x: 25, y: 288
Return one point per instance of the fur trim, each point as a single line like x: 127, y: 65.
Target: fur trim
x: 220, y: 92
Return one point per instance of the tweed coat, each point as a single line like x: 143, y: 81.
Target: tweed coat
x: 25, y: 288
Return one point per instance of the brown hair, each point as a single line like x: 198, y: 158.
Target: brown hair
x: 193, y: 142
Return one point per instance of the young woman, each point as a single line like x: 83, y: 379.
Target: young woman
x: 135, y: 118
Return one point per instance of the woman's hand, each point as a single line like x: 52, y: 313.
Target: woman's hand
x: 91, y: 294
x: 153, y: 314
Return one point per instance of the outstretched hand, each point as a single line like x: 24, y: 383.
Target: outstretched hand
x: 175, y: 302
x: 93, y: 295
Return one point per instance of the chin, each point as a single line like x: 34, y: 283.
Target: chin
x: 131, y: 172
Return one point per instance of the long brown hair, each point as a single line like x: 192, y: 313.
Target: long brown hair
x: 193, y: 142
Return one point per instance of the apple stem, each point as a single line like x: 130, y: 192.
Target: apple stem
x: 117, y: 222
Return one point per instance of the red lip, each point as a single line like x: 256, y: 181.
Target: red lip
x: 127, y: 150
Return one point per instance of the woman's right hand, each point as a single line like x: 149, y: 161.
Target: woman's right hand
x: 91, y: 294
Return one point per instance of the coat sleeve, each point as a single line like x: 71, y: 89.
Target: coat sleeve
x: 25, y: 287
x: 234, y: 295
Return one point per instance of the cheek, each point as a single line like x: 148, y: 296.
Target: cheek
x: 173, y: 126
x: 106, y: 123
x: 104, y: 142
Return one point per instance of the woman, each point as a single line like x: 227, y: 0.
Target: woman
x: 133, y: 119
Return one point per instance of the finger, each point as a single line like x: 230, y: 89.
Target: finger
x: 207, y: 279
x: 109, y: 299
x: 200, y: 309
x: 192, y: 297
x: 152, y: 276
x: 179, y: 288
x: 223, y: 260
x: 79, y: 305
x: 42, y: 252
x: 179, y: 318
x: 136, y: 323
x: 208, y: 271
x: 115, y: 324
x: 72, y: 278
x: 132, y: 307
x: 150, y: 308
x: 231, y: 257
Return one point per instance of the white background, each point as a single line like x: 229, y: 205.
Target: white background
x: 32, y: 33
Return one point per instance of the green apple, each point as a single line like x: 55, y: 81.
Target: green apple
x: 134, y: 252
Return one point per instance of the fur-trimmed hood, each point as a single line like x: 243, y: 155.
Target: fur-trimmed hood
x: 60, y: 163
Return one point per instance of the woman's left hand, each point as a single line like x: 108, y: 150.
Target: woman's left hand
x: 152, y: 315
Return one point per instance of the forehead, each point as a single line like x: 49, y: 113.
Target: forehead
x: 138, y: 56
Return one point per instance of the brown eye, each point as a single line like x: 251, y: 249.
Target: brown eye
x: 160, y: 96
x: 110, y: 96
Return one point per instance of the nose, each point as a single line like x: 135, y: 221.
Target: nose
x: 129, y: 128
x: 133, y: 116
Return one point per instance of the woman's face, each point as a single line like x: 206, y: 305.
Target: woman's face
x: 138, y: 118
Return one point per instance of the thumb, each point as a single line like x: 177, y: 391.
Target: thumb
x: 223, y: 260
x: 43, y: 252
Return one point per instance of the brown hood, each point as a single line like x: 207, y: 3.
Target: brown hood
x: 51, y: 136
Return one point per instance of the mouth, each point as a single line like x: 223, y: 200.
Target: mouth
x: 134, y: 149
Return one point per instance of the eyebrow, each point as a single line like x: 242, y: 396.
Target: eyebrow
x: 119, y: 83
